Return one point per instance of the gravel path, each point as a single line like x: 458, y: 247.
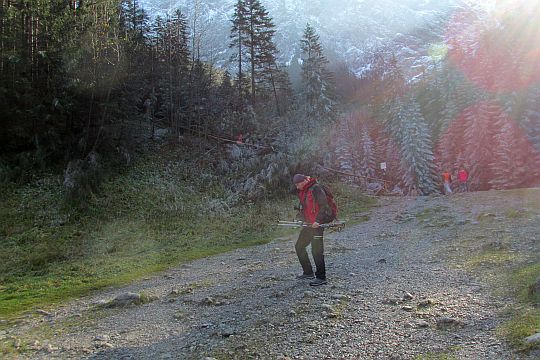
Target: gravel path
x: 392, y: 294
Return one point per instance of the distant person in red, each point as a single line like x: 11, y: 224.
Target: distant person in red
x: 240, y: 139
x: 463, y: 178
x: 447, y: 178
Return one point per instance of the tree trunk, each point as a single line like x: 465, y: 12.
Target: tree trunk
x: 275, y: 93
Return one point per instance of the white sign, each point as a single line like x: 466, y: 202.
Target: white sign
x: 383, y: 166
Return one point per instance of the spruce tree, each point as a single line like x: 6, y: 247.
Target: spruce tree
x: 367, y: 154
x: 416, y: 151
x: 317, y: 87
x: 531, y: 116
x: 451, y: 145
x: 239, y: 36
x: 344, y: 148
x: 479, y: 139
x: 516, y: 163
x: 252, y: 34
x: 173, y: 59
x: 393, y: 103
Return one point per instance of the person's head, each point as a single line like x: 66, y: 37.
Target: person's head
x: 300, y: 181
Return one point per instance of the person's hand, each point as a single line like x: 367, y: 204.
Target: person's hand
x: 315, y: 225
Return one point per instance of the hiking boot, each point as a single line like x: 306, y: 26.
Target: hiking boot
x: 305, y: 276
x: 317, y: 282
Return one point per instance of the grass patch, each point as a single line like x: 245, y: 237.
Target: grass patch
x: 434, y: 217
x: 436, y: 356
x: 430, y: 213
x: 352, y: 203
x: 447, y: 354
x: 524, y: 322
x: 491, y: 258
x: 525, y: 318
x: 523, y: 279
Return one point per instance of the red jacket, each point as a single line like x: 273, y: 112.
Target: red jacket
x: 447, y: 177
x: 313, y: 200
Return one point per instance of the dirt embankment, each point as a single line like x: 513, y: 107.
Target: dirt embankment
x: 417, y: 280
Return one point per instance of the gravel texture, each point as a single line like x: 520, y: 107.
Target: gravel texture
x: 397, y: 289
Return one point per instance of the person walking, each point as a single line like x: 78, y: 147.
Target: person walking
x: 447, y: 178
x: 315, y: 210
x: 463, y: 178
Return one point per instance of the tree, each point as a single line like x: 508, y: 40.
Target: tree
x: 392, y: 98
x: 318, y: 92
x: 515, y: 163
x: 238, y: 37
x: 479, y: 139
x: 252, y: 34
x: 416, y: 151
x: 173, y: 57
x: 531, y: 117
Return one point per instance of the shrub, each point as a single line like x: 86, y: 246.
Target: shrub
x: 82, y: 178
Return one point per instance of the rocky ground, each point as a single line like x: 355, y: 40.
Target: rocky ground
x: 399, y: 288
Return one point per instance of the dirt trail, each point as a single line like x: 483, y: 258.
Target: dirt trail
x: 398, y: 288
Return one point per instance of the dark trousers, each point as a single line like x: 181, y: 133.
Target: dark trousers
x: 315, y: 237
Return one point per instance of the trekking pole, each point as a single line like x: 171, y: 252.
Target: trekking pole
x: 335, y: 225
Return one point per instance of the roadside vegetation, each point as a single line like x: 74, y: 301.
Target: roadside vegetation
x: 157, y: 214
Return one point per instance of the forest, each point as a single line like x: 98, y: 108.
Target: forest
x: 127, y: 154
x: 86, y: 85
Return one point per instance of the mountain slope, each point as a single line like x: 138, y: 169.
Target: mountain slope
x: 350, y: 30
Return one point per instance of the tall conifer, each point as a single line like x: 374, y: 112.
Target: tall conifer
x: 318, y: 92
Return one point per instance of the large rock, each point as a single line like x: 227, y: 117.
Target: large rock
x: 447, y: 323
x: 533, y: 338
x: 126, y: 299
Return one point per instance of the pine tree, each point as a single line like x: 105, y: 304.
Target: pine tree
x: 318, y: 92
x: 451, y: 145
x: 480, y: 130
x: 135, y: 19
x: 252, y: 34
x: 344, y: 148
x: 239, y: 36
x: 367, y: 154
x: 416, y: 151
x: 458, y: 94
x: 173, y: 59
x: 515, y: 163
x: 282, y: 90
x: 393, y: 103
x: 531, y: 116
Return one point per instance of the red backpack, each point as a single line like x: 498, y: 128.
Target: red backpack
x: 331, y: 201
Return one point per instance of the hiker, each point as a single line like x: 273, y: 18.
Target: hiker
x: 463, y: 178
x: 447, y: 178
x: 240, y: 139
x: 315, y: 210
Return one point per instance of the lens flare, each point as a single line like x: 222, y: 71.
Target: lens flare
x: 438, y: 51
x: 500, y: 54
